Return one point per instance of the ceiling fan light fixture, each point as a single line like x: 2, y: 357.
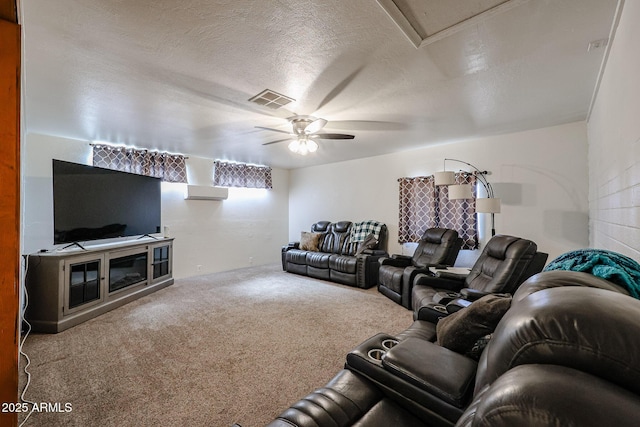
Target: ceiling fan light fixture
x: 312, y: 145
x: 304, y: 129
x: 294, y: 145
x: 303, y: 145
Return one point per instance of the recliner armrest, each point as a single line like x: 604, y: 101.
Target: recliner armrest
x: 447, y: 375
x: 347, y: 397
x: 290, y: 245
x: 376, y: 252
x: 286, y: 248
x: 433, y: 402
x: 457, y: 305
x: 472, y: 294
x: 428, y: 279
x: 396, y: 261
x: 432, y: 312
x: 451, y: 276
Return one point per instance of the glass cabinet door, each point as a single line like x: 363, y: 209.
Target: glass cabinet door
x: 161, y: 264
x: 84, y: 283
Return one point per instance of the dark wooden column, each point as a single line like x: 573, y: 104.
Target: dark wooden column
x: 9, y: 205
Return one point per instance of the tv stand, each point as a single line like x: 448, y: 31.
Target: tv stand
x: 70, y: 286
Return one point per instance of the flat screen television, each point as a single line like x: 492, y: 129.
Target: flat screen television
x: 91, y: 203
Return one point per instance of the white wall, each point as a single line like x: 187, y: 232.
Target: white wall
x: 614, y: 144
x: 248, y: 228
x: 541, y: 176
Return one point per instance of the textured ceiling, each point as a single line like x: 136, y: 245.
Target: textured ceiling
x: 178, y: 75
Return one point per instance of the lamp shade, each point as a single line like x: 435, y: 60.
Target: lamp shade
x: 444, y: 178
x: 457, y: 192
x: 488, y: 205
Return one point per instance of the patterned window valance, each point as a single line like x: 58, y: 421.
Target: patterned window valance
x: 226, y: 174
x: 168, y: 167
x: 424, y: 205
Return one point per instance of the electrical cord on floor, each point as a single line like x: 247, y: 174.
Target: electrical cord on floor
x: 21, y: 344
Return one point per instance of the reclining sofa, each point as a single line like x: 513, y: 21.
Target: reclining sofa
x: 565, y: 353
x: 336, y: 257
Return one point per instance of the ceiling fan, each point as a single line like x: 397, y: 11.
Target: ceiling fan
x: 305, y: 130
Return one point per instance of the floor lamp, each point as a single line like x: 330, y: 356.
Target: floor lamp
x: 489, y: 204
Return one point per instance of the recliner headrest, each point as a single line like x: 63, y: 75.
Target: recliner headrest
x: 558, y: 278
x: 498, y: 245
x: 434, y: 235
x: 579, y: 327
x: 320, y: 226
x: 341, y: 226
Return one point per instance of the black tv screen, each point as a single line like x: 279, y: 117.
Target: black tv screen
x: 91, y: 203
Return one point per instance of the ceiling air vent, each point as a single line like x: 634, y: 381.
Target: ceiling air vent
x: 271, y: 99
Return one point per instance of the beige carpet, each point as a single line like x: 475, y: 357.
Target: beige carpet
x: 237, y: 346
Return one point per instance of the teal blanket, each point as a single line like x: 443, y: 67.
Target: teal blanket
x: 608, y: 265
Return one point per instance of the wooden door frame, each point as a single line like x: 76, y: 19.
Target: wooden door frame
x: 10, y: 75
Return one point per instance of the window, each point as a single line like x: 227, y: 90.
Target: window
x: 168, y: 167
x: 424, y: 205
x: 227, y: 174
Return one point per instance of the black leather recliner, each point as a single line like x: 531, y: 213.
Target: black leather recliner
x: 565, y: 353
x: 503, y: 265
x: 437, y: 246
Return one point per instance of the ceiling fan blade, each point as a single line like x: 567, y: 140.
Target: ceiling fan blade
x: 333, y: 136
x: 315, y: 126
x: 274, y: 130
x: 275, y: 142
x: 374, y: 125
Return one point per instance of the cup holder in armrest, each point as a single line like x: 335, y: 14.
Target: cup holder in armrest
x: 443, y: 297
x: 389, y: 343
x: 439, y: 307
x: 376, y: 354
x: 368, y: 355
x: 432, y: 312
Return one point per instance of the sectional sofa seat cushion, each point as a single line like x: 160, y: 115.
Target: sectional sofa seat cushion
x: 317, y: 259
x: 343, y: 263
